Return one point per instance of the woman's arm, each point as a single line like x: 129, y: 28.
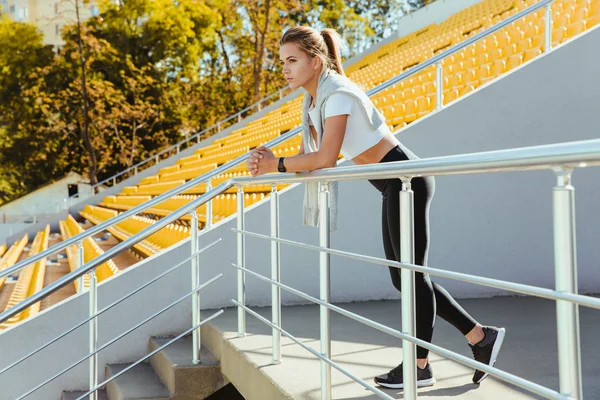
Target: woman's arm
x: 262, y: 160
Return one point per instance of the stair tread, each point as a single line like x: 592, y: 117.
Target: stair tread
x: 76, y: 394
x: 180, y: 352
x: 141, y: 382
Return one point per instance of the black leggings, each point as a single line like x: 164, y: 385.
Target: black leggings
x: 427, y: 293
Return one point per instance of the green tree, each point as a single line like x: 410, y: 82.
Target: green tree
x: 22, y: 52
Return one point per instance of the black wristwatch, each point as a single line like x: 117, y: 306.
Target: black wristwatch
x: 280, y: 166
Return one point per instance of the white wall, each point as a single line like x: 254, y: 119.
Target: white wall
x: 48, y: 199
x: 496, y: 225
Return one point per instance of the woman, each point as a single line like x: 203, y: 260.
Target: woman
x: 338, y: 116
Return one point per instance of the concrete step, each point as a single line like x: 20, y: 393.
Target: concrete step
x: 139, y: 383
x: 184, y: 379
x: 76, y: 394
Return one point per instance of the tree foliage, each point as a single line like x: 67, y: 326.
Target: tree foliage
x: 145, y: 74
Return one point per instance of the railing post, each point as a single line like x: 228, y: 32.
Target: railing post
x: 156, y: 158
x: 93, y: 309
x: 114, y: 180
x: 218, y: 127
x: 439, y: 85
x: 276, y: 276
x: 259, y: 106
x: 240, y: 117
x: 241, y: 278
x: 548, y: 31
x: 280, y: 94
x: 80, y: 262
x: 209, y: 213
x: 178, y: 149
x: 196, y: 340
x: 567, y: 313
x: 324, y: 257
x: 135, y: 170
x: 409, y: 354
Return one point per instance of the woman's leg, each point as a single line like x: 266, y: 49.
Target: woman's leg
x: 424, y: 294
x: 442, y: 303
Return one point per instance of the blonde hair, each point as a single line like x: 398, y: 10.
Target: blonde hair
x: 326, y: 45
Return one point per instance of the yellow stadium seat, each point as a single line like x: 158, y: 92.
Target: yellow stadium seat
x: 411, y: 111
x: 592, y: 21
x: 450, y: 96
x: 514, y: 61
x: 531, y: 54
x: 575, y: 29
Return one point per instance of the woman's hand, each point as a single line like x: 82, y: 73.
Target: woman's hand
x: 261, y: 161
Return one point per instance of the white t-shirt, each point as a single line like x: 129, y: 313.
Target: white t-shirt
x: 359, y: 136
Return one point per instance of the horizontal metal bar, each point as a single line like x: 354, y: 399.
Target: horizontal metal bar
x: 122, y: 335
x: 215, y: 315
x: 577, y: 154
x: 496, y: 283
x: 505, y: 376
x: 315, y: 353
x: 107, y: 255
x: 137, y: 209
x: 109, y: 307
x: 432, y: 61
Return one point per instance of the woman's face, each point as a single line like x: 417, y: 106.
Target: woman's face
x: 297, y: 66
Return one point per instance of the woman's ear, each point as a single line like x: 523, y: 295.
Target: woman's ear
x: 317, y: 62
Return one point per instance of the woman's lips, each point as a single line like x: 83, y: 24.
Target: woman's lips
x: 289, y: 79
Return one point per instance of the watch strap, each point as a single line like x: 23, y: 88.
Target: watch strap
x: 280, y: 166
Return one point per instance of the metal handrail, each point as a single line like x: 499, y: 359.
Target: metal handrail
x: 109, y: 254
x: 571, y: 154
x: 173, y: 304
x: 505, y: 376
x: 193, y: 328
x: 109, y: 306
x: 209, y: 175
x: 186, y: 140
x: 550, y: 294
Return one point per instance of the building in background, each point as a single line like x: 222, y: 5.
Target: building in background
x: 49, y: 15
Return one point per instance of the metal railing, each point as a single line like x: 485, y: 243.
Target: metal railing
x: 92, y: 320
x: 181, y: 144
x: 436, y: 60
x: 560, y: 158
x: 206, y: 178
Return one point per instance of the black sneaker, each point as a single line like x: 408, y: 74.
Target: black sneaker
x: 393, y: 379
x: 487, y: 350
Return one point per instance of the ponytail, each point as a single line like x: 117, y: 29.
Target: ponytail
x: 334, y: 43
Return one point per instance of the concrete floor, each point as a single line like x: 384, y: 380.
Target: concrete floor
x: 529, y: 350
